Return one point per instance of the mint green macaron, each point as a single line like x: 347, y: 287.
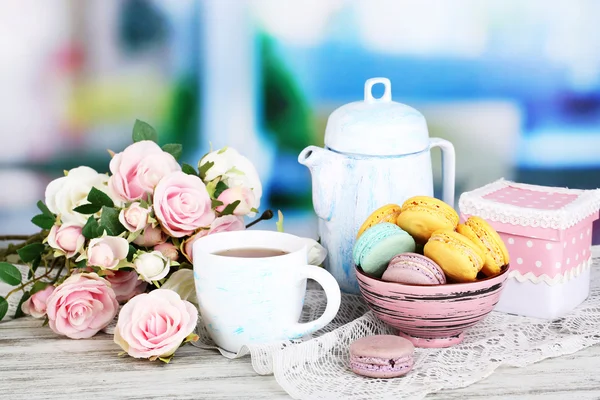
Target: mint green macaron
x: 378, y: 245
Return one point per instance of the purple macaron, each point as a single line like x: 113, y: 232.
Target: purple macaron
x: 414, y: 269
x: 381, y: 356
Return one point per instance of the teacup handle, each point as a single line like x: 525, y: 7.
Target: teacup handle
x: 334, y: 298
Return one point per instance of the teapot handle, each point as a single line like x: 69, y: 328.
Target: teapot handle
x: 448, y: 168
x: 387, y: 91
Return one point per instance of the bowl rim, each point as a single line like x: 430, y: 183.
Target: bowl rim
x: 504, y: 272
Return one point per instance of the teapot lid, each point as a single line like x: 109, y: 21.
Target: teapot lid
x: 380, y: 127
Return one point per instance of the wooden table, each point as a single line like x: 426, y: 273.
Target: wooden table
x: 38, y: 364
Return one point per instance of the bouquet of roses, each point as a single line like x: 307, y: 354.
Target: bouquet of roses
x: 127, y: 238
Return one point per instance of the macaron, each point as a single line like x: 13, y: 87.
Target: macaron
x: 381, y: 356
x: 414, y: 269
x: 483, y: 235
x: 387, y: 213
x: 459, y: 257
x: 422, y: 215
x: 378, y: 245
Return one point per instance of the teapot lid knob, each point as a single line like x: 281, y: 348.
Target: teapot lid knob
x: 387, y: 92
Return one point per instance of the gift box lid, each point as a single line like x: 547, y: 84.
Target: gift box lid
x: 524, y: 205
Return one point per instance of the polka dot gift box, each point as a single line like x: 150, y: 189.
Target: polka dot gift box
x: 548, y: 233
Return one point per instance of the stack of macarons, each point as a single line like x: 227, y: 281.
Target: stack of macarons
x: 390, y: 240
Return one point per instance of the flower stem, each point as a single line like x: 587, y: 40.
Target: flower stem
x: 24, y: 285
x: 14, y: 237
x: 12, y: 248
x: 267, y: 215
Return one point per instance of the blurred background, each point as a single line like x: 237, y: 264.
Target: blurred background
x: 515, y: 85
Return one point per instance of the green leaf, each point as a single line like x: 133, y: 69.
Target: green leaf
x: 216, y: 203
x: 254, y: 210
x: 91, y: 229
x: 38, y: 287
x: 223, y: 150
x: 188, y: 169
x: 31, y: 252
x: 279, y: 223
x: 45, y: 322
x: 98, y: 197
x: 3, y: 307
x: 43, y: 221
x: 174, y: 149
x: 34, y: 266
x: 9, y: 274
x: 221, y: 187
x: 143, y: 131
x: 81, y: 264
x: 19, y: 313
x: 204, y: 169
x: 110, y: 221
x: 211, y: 187
x: 44, y: 209
x: 132, y: 251
x: 230, y: 208
x: 88, y: 209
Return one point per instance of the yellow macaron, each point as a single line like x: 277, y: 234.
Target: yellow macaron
x: 488, y: 240
x: 422, y: 215
x: 459, y: 258
x: 387, y: 213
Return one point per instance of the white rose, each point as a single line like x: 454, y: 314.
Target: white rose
x: 182, y: 282
x: 235, y: 170
x: 316, y: 252
x: 152, y: 266
x: 71, y: 191
x: 134, y: 218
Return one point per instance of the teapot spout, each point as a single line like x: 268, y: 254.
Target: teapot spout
x: 312, y: 156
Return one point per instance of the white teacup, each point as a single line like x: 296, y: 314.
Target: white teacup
x: 257, y: 300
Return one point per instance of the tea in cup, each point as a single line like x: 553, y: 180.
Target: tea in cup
x: 251, y: 286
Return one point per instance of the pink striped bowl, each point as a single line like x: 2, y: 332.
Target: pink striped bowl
x: 431, y: 316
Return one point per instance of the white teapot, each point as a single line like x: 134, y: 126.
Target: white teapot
x: 376, y: 152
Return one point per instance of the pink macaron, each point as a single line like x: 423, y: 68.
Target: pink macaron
x: 414, y: 269
x: 381, y: 356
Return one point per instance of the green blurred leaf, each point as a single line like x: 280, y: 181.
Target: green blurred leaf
x: 43, y: 221
x: 204, y: 169
x: 18, y: 312
x: 230, y: 208
x: 31, y: 252
x: 44, y: 209
x: 221, y: 187
x: 38, y: 287
x: 110, y: 221
x: 131, y: 253
x: 98, y: 197
x: 88, y: 209
x: 3, y: 307
x: 211, y: 187
x: 174, y: 149
x: 223, y: 150
x: 9, y: 274
x: 81, y: 264
x: 143, y: 131
x: 188, y: 169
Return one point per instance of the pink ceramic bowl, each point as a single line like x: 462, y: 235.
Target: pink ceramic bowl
x: 431, y: 316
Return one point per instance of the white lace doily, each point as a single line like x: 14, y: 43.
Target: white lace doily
x: 317, y: 368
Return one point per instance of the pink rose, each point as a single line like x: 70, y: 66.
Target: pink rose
x: 106, y: 252
x: 182, y: 204
x: 67, y: 239
x: 125, y: 284
x: 155, y: 324
x: 36, y: 304
x: 168, y: 250
x: 222, y: 224
x: 243, y: 194
x: 81, y: 306
x: 151, y: 236
x: 138, y: 169
x: 134, y: 218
